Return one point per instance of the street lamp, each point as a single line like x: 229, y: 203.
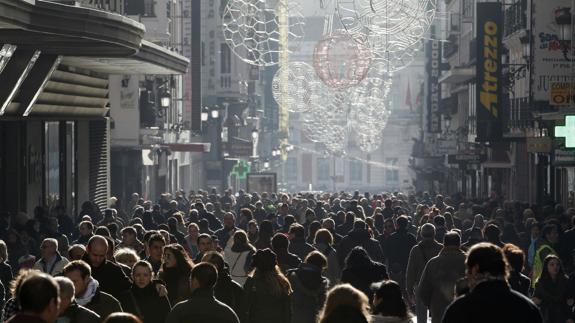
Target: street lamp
x: 215, y: 113
x: 266, y: 164
x: 204, y: 115
x: 165, y: 99
x: 563, y: 20
x: 255, y: 134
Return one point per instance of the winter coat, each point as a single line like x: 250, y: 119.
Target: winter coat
x: 79, y: 314
x: 261, y: 306
x: 553, y: 296
x: 519, y: 282
x: 309, y: 292
x: 300, y: 248
x: 239, y: 261
x: 361, y: 277
x: 177, y: 284
x: 111, y: 277
x: 202, y: 307
x: 6, y: 276
x: 287, y: 260
x: 146, y: 303
x: 391, y: 319
x: 104, y: 304
x: 397, y: 248
x: 361, y: 238
x: 333, y: 268
x: 55, y: 269
x: 229, y: 292
x: 437, y: 285
x: 419, y: 255
x: 494, y: 302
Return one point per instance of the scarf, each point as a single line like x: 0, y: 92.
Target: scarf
x: 89, y: 293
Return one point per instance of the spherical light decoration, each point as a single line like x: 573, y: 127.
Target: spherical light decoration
x: 340, y: 61
x: 251, y: 29
x: 300, y: 84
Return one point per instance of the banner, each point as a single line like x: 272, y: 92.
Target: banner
x: 489, y: 100
x: 433, y: 95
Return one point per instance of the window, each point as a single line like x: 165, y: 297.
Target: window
x: 225, y: 59
x: 52, y: 149
x: 323, y: 170
x: 391, y: 172
x: 291, y: 169
x: 355, y: 171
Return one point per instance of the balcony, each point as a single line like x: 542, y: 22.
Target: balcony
x: 515, y: 17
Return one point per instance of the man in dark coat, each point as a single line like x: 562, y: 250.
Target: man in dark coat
x: 224, y: 234
x: 203, y: 306
x: 397, y: 248
x: 361, y: 272
x: 286, y: 260
x: 226, y: 290
x: 298, y: 246
x: 110, y: 276
x: 359, y: 237
x: 490, y: 299
x: 69, y: 309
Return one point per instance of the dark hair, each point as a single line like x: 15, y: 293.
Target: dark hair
x: 491, y: 232
x: 452, y: 238
x: 391, y: 300
x: 156, y: 237
x: 547, y: 229
x: 204, y: 236
x: 515, y: 257
x: 183, y: 261
x: 357, y: 256
x: 489, y: 258
x: 36, y: 292
x: 205, y: 274
x: 130, y: 230
x: 280, y: 242
x: 545, y: 276
x: 103, y: 231
x: 297, y: 230
x: 79, y: 265
x: 289, y: 220
x: 215, y: 258
x: 439, y: 220
x: 317, y: 259
x: 120, y: 317
x: 323, y: 236
x: 402, y: 222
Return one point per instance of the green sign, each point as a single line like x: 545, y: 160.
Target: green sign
x: 241, y: 169
x: 567, y: 131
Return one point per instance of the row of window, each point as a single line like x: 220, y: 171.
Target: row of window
x: 325, y: 170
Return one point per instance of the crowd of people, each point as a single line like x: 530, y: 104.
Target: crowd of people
x: 306, y: 257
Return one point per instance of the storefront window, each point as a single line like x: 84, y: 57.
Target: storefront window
x: 52, y: 170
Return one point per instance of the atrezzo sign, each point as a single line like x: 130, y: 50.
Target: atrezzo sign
x: 489, y: 102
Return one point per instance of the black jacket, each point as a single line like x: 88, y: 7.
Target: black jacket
x: 263, y: 307
x: 300, y: 248
x: 397, y: 248
x: 519, y: 282
x: 309, y: 292
x: 362, y: 238
x: 229, y: 292
x: 361, y: 277
x: 146, y: 304
x: 6, y: 276
x: 111, y: 278
x: 493, y: 302
x: 202, y: 307
x: 79, y: 314
x: 104, y: 304
x: 287, y: 261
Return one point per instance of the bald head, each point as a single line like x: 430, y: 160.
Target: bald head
x: 97, y: 250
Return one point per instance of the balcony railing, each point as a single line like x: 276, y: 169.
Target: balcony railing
x: 515, y: 17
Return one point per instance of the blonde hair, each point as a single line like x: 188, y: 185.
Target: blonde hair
x: 3, y: 251
x: 126, y: 256
x: 344, y: 295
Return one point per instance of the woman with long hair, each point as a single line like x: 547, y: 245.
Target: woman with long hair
x: 389, y: 305
x: 238, y: 256
x: 142, y: 299
x: 267, y: 291
x: 345, y: 303
x: 175, y: 272
x: 550, y: 292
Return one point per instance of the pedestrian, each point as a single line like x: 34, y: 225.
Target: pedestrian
x: 345, y: 304
x: 5, y: 269
x: 324, y: 243
x: 389, y: 305
x: 419, y: 255
x: 39, y: 300
x: 225, y: 233
x: 11, y: 306
x: 267, y: 291
x: 309, y: 288
x: 359, y: 236
x: 265, y: 235
x: 122, y: 318
x: 490, y: 298
x: 175, y: 273
x: 109, y: 275
x: 69, y: 310
x: 238, y: 256
x: 286, y: 260
x: 191, y: 240
x: 397, y: 249
x: 361, y: 271
x: 298, y: 245
x: 87, y: 290
x: 549, y: 237
x: 226, y: 290
x: 202, y: 306
x: 516, y: 259
x: 143, y: 299
x: 127, y: 257
x: 550, y: 292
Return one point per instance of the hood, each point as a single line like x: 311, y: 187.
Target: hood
x: 310, y: 276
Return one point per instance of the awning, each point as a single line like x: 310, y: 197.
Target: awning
x: 458, y: 75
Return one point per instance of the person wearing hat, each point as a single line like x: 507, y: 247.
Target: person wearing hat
x: 267, y: 291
